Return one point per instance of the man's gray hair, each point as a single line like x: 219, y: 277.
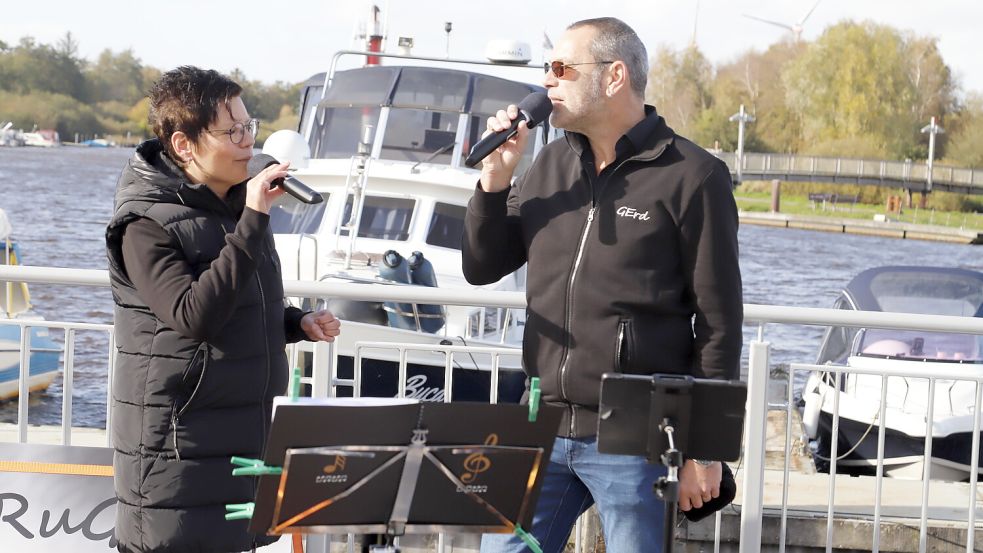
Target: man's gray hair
x: 616, y: 41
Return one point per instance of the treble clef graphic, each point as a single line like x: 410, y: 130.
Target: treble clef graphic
x: 477, y: 463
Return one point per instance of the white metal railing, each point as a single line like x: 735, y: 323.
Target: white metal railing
x: 815, y: 168
x: 323, y: 380
x: 68, y: 371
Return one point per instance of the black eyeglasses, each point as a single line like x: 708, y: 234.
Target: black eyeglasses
x: 238, y: 131
x: 559, y: 68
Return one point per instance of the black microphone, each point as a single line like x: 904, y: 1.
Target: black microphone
x: 293, y: 186
x: 532, y: 109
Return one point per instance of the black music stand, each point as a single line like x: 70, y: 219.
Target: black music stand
x: 403, y: 468
x: 664, y: 417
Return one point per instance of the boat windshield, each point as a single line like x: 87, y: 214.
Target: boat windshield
x: 425, y: 108
x: 928, y: 293
x: 921, y: 346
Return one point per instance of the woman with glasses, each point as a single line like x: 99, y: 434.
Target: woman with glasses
x: 200, y: 319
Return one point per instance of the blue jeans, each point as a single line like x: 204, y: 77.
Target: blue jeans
x: 578, y: 476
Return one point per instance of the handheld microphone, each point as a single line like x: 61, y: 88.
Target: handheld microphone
x: 532, y: 109
x: 293, y: 186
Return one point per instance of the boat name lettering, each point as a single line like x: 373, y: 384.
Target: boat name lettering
x: 416, y: 389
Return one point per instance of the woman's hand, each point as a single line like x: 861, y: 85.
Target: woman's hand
x: 259, y: 193
x: 320, y: 326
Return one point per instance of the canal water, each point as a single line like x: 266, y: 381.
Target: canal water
x: 60, y: 199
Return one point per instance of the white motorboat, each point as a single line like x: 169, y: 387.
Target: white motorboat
x: 921, y: 290
x: 44, y: 138
x: 385, y: 145
x: 15, y: 303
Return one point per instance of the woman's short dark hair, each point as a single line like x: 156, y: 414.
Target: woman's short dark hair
x: 186, y: 99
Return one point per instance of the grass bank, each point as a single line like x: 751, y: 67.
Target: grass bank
x: 799, y: 204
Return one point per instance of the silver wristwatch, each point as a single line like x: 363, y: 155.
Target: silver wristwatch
x: 703, y: 462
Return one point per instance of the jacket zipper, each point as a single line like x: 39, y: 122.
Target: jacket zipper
x: 622, y: 359
x: 619, y: 349
x: 176, y: 415
x: 569, y: 304
x: 266, y: 345
x: 569, y: 314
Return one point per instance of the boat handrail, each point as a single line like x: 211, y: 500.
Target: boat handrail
x: 300, y: 246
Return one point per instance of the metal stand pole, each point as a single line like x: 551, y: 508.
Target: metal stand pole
x: 667, y: 487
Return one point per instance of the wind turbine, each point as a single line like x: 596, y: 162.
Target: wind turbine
x: 796, y: 28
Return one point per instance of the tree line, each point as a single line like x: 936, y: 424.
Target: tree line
x: 860, y: 90
x: 50, y: 86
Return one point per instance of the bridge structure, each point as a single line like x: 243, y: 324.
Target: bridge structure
x: 894, y: 174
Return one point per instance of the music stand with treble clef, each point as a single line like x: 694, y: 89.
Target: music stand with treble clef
x: 395, y: 467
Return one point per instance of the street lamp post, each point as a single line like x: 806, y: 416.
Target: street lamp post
x: 932, y: 129
x: 741, y: 117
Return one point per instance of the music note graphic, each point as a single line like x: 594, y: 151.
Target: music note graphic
x: 338, y: 465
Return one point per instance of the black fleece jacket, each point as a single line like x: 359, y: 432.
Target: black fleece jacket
x: 636, y: 272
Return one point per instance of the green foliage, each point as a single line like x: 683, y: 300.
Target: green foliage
x: 859, y: 90
x: 49, y: 110
x: 965, y: 145
x: 31, y: 67
x: 43, y: 86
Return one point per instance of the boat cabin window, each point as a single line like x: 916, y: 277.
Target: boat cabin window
x: 343, y: 127
x: 446, y: 226
x: 311, y: 96
x: 382, y: 218
x: 838, y: 339
x: 291, y: 216
x: 418, y: 134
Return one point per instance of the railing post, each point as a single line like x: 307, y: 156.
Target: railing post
x: 322, y: 363
x: 752, y: 511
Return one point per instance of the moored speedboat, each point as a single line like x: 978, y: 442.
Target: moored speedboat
x: 15, y: 305
x: 919, y: 290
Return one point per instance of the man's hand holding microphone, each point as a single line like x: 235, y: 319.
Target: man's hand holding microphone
x: 503, y: 143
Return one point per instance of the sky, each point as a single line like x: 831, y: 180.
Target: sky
x: 294, y: 39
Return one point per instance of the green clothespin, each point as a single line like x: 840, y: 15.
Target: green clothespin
x: 295, y: 384
x: 238, y: 511
x: 534, y: 394
x: 252, y: 467
x: 531, y: 541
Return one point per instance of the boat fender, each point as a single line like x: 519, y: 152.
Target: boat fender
x: 422, y: 274
x: 395, y: 268
x: 813, y: 401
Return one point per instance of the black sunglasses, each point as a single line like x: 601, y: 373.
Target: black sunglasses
x: 559, y: 68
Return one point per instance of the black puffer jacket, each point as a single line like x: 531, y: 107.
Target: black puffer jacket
x: 200, y: 356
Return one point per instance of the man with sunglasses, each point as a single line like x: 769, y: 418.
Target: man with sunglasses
x: 630, y: 236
